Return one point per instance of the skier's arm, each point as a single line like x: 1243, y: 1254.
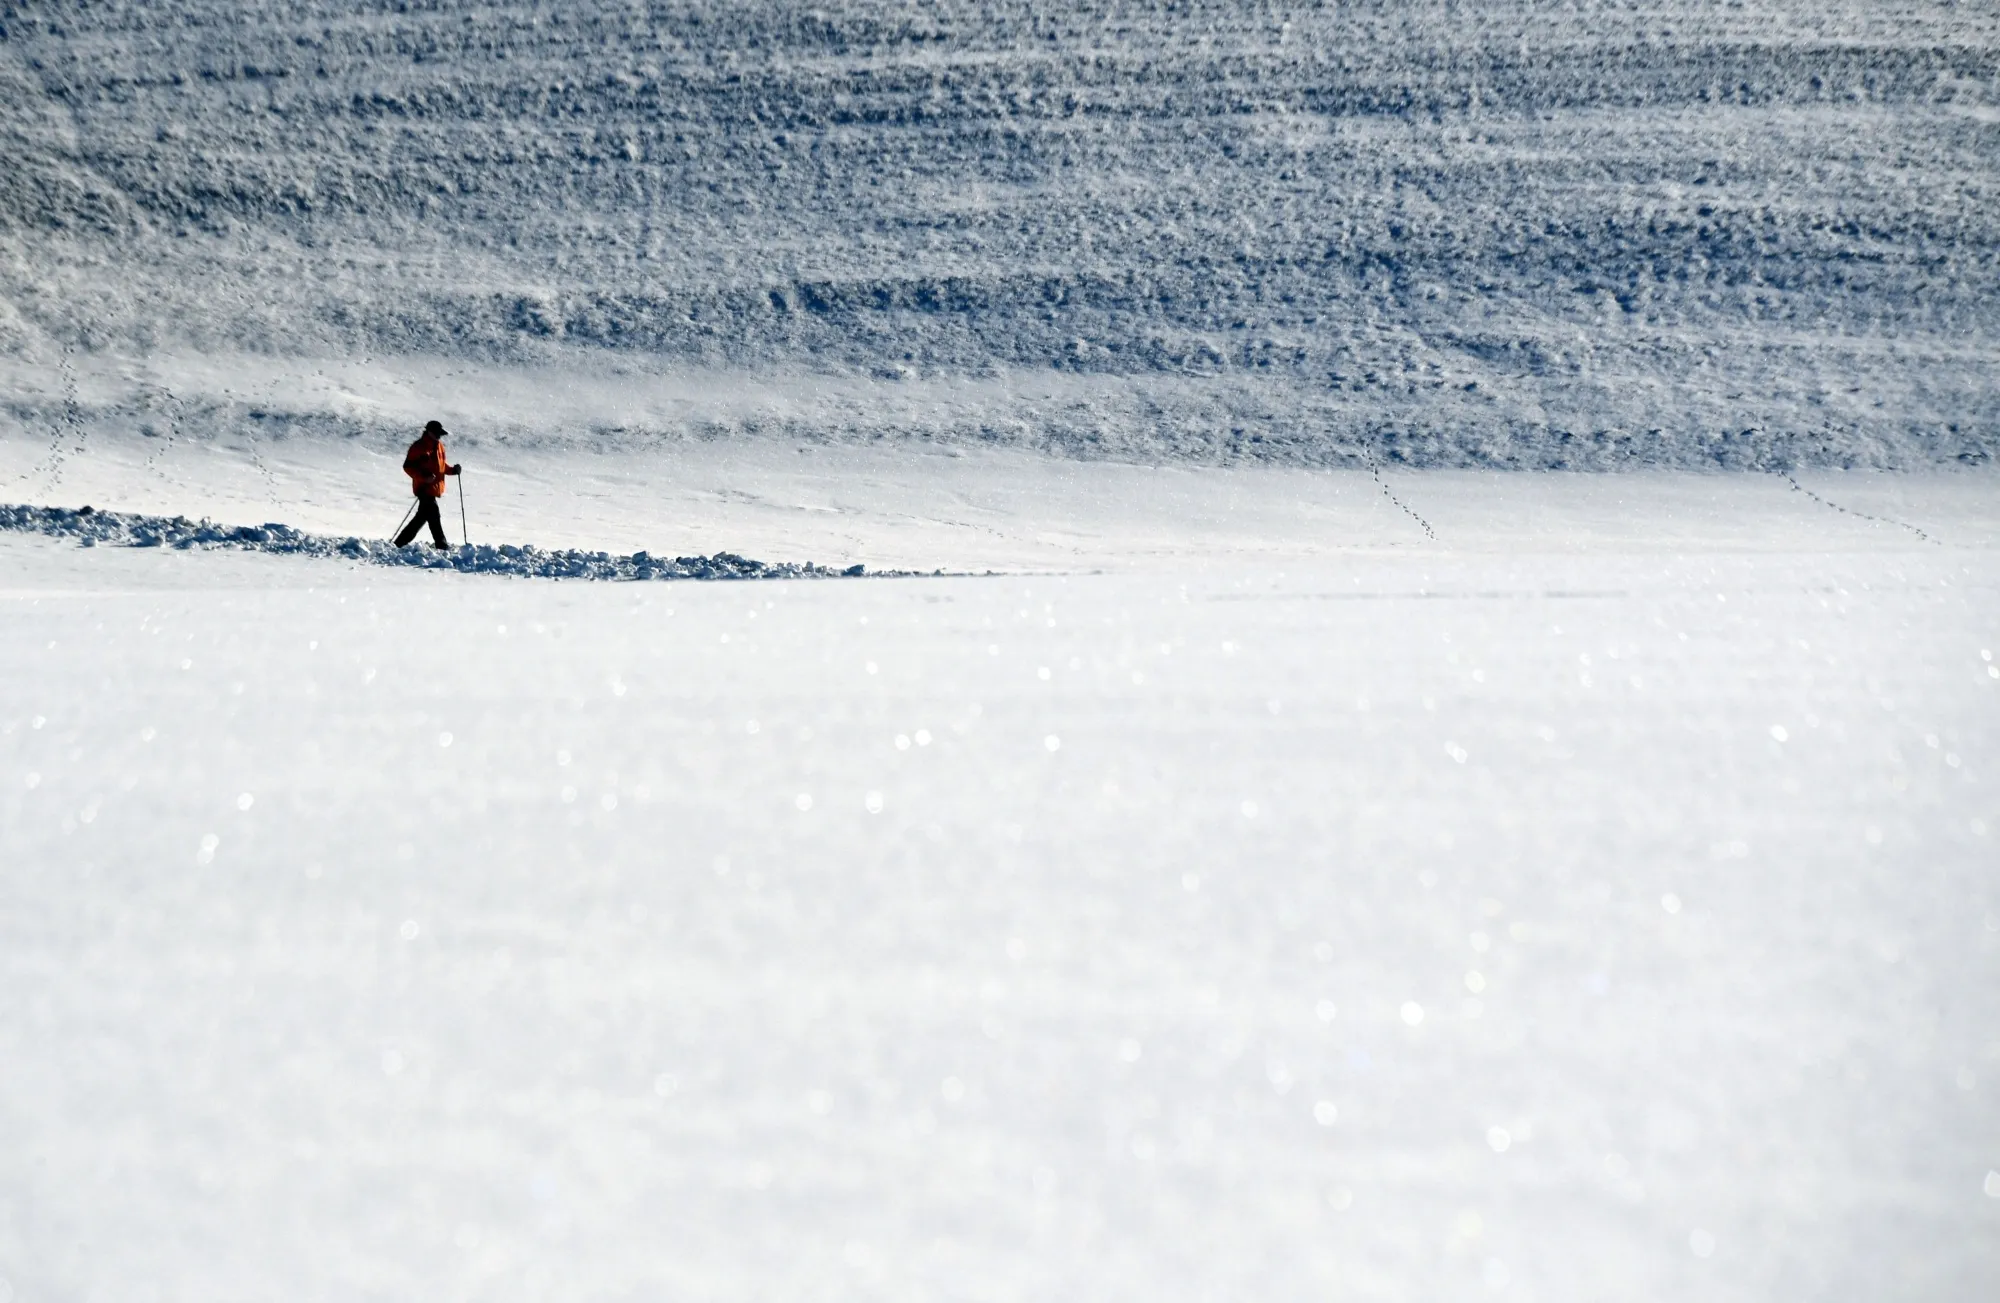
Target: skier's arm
x: 452, y: 469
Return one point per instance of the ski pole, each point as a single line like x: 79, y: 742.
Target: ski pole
x: 462, y: 534
x: 404, y: 521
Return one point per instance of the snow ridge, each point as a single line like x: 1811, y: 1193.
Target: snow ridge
x: 90, y: 528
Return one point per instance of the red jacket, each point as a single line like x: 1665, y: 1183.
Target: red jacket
x: 426, y: 467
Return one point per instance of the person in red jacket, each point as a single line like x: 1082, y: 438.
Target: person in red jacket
x: 426, y: 467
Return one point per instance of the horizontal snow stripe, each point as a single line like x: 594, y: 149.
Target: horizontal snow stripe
x: 91, y: 528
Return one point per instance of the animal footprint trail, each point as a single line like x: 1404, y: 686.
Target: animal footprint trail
x: 176, y: 426
x: 1375, y: 469
x: 66, y: 431
x: 1858, y: 515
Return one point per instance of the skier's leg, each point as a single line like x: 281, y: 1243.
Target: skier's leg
x: 416, y: 523
x: 436, y: 523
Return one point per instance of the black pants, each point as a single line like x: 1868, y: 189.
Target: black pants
x: 427, y: 514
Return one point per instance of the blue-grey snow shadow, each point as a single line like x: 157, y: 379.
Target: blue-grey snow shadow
x: 92, y: 528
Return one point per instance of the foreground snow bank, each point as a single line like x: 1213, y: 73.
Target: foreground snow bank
x: 91, y: 527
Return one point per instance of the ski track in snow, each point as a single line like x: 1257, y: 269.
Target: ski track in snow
x: 91, y: 528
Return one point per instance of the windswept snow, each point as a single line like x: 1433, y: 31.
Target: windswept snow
x: 1512, y: 234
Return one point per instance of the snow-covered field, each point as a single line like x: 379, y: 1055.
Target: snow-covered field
x: 1246, y: 897
x: 1285, y: 842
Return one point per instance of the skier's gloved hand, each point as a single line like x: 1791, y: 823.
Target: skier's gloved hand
x: 451, y: 470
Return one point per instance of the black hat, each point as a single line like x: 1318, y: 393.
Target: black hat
x: 433, y: 427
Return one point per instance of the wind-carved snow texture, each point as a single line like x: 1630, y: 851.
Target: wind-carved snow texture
x: 90, y: 528
x: 1512, y: 234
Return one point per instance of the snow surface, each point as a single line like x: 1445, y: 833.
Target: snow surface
x: 1260, y: 900
x: 894, y: 507
x: 1320, y: 862
x: 1518, y: 233
x: 93, y: 528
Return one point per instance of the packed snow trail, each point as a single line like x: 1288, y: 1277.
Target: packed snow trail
x: 91, y: 527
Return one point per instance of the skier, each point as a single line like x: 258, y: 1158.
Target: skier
x: 426, y: 467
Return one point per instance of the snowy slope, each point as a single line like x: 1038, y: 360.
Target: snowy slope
x: 1514, y: 234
